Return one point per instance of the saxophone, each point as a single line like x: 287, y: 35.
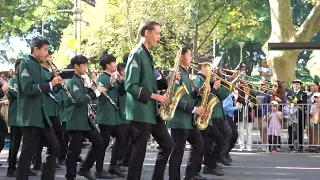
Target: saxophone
x: 167, y: 112
x: 202, y: 122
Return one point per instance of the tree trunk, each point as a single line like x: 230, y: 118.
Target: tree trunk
x: 284, y: 62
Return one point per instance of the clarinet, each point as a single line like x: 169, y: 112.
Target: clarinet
x: 62, y: 85
x: 105, y: 94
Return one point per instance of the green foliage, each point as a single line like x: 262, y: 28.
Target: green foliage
x: 17, y: 16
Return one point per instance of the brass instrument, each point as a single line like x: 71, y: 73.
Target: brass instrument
x: 202, y: 122
x: 167, y: 112
x: 71, y: 100
x: 229, y: 84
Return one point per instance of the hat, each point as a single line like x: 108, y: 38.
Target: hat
x: 297, y: 81
x: 274, y: 103
x: 317, y: 94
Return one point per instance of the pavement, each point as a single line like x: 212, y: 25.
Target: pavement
x: 254, y: 165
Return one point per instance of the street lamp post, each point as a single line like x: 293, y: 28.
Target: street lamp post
x: 77, y: 11
x: 241, y: 44
x: 221, y: 64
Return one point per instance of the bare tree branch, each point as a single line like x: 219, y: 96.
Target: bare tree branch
x: 211, y: 14
x: 212, y: 29
x: 310, y: 26
x: 224, y: 36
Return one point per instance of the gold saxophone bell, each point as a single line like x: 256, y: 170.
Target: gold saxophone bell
x: 166, y: 113
x: 202, y: 122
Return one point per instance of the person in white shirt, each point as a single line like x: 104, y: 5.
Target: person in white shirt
x: 266, y: 71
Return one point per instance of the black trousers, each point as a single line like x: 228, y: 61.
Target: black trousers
x: 29, y: 146
x: 226, y: 131
x: 292, y: 133
x: 180, y: 137
x: 3, y: 132
x: 142, y: 132
x: 118, y: 150
x: 300, y: 130
x: 57, y: 127
x: 15, y: 140
x: 234, y: 130
x: 74, y: 150
x: 129, y: 140
x: 64, y: 142
x: 213, y: 142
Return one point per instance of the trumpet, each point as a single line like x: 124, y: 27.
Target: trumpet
x: 229, y: 85
x: 71, y: 100
x: 103, y: 93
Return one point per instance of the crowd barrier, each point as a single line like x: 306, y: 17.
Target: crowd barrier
x: 297, y: 127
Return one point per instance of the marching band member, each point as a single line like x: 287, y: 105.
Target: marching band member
x: 15, y: 126
x: 124, y: 162
x: 79, y: 125
x: 108, y: 117
x: 211, y: 133
x: 141, y: 86
x: 182, y: 129
x: 32, y: 88
x: 51, y: 107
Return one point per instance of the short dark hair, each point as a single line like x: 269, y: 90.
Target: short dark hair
x: 70, y: 66
x: 79, y: 59
x: 17, y: 64
x: 107, y: 59
x: 38, y: 42
x: 147, y: 25
x: 184, y: 49
x: 125, y: 57
x: 121, y: 66
x: 316, y: 82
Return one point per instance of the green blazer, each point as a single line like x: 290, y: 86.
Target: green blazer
x: 106, y: 113
x: 78, y: 112
x: 140, y: 83
x: 222, y: 93
x: 51, y: 105
x: 183, y: 117
x: 63, y: 103
x: 33, y: 87
x: 122, y: 110
x: 13, y: 105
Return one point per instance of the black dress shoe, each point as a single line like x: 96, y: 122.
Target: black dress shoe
x: 11, y: 173
x: 197, y: 177
x: 87, y: 175
x: 103, y: 175
x: 116, y: 172
x: 224, y: 161
x: 217, y: 171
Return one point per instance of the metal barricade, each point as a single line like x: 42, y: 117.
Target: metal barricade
x: 258, y: 128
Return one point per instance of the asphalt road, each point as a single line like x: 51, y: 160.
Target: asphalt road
x: 245, y: 166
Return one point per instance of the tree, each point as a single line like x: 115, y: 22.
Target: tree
x: 16, y: 16
x: 284, y: 30
x: 114, y: 27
